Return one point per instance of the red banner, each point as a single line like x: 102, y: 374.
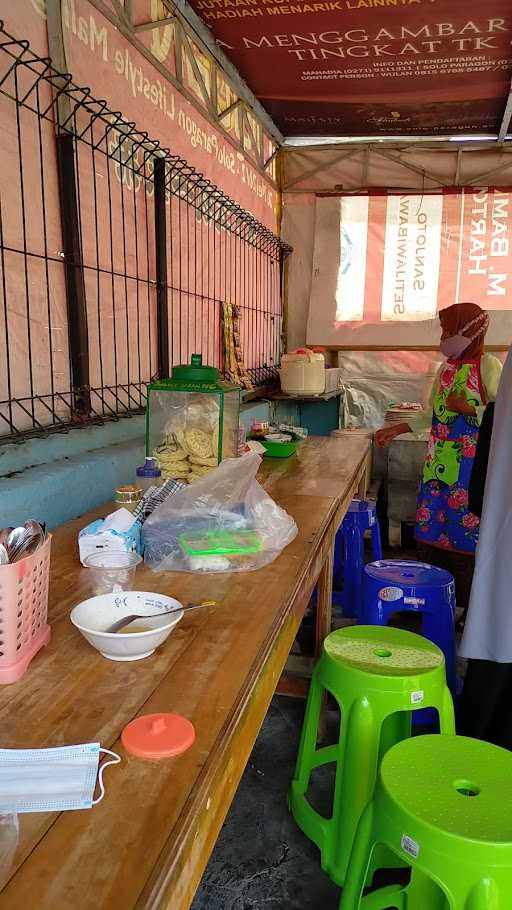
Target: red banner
x: 365, y: 67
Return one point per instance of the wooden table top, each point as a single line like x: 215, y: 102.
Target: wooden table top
x: 147, y: 843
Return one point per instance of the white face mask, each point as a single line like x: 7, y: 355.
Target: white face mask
x: 48, y: 780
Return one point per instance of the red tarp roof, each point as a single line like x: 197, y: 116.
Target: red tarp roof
x: 370, y: 67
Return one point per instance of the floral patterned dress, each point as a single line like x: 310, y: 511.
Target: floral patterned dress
x: 442, y: 517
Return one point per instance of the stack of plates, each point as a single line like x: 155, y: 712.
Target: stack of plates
x: 354, y: 431
x: 401, y: 413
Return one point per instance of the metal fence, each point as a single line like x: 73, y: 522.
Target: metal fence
x: 115, y: 258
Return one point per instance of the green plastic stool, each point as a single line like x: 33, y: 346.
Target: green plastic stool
x: 378, y: 676
x: 444, y: 805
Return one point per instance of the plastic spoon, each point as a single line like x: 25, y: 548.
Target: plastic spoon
x: 126, y: 620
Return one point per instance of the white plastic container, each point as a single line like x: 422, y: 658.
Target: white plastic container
x: 302, y: 373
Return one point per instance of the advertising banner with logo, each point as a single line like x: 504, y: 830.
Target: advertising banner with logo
x: 396, y: 260
x: 364, y: 67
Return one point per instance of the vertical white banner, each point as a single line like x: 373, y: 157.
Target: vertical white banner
x: 412, y: 254
x: 350, y: 286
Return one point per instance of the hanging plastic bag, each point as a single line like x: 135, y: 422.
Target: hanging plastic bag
x: 225, y: 522
x: 9, y: 836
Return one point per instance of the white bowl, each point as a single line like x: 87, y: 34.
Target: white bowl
x: 93, y: 616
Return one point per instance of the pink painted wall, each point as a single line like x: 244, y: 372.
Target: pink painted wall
x: 36, y: 323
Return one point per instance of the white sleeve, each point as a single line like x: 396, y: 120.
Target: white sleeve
x: 423, y: 420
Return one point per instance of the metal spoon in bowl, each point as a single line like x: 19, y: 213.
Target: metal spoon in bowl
x: 126, y: 620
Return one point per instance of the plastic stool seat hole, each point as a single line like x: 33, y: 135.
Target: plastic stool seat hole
x: 466, y: 788
x: 382, y: 652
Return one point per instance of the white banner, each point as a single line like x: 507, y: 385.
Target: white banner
x: 412, y: 257
x: 351, y: 284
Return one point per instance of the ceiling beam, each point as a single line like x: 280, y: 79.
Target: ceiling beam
x: 207, y: 110
x: 239, y: 85
x: 122, y: 12
x: 458, y: 167
x: 158, y: 23
x: 410, y: 167
x: 402, y: 145
x: 272, y: 157
x: 480, y: 179
x: 507, y: 117
x: 321, y: 167
x: 189, y: 51
x: 229, y: 110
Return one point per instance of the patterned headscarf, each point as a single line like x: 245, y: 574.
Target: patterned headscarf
x: 466, y: 319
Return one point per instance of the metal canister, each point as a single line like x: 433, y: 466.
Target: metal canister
x: 127, y: 497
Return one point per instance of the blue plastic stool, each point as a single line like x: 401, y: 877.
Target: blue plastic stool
x: 349, y: 555
x: 394, y: 585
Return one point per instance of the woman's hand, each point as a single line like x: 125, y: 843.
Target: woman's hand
x: 385, y: 436
x: 458, y: 403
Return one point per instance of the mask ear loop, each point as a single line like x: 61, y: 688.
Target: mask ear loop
x: 115, y: 760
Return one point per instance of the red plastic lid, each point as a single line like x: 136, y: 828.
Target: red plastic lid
x: 158, y: 735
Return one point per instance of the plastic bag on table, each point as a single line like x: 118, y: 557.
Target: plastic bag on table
x: 224, y: 522
x: 9, y: 836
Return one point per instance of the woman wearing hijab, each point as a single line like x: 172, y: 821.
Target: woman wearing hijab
x: 464, y: 385
x: 486, y: 702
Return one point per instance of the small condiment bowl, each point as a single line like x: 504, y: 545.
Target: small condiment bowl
x: 93, y: 616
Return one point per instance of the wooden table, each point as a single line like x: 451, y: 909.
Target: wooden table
x: 147, y: 843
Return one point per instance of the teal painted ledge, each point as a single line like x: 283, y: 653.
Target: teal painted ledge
x: 65, y: 489
x: 64, y: 475
x: 16, y: 457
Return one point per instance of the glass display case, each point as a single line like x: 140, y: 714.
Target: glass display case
x: 192, y: 421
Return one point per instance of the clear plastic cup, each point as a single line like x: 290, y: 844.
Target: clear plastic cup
x: 112, y: 572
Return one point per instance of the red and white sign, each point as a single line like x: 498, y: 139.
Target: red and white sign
x: 405, y: 257
x: 364, y: 67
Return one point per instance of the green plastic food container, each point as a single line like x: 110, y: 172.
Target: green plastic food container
x: 279, y: 449
x: 214, y: 543
x: 192, y: 420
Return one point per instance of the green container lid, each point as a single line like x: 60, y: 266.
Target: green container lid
x: 194, y: 377
x: 213, y: 543
x: 195, y: 371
